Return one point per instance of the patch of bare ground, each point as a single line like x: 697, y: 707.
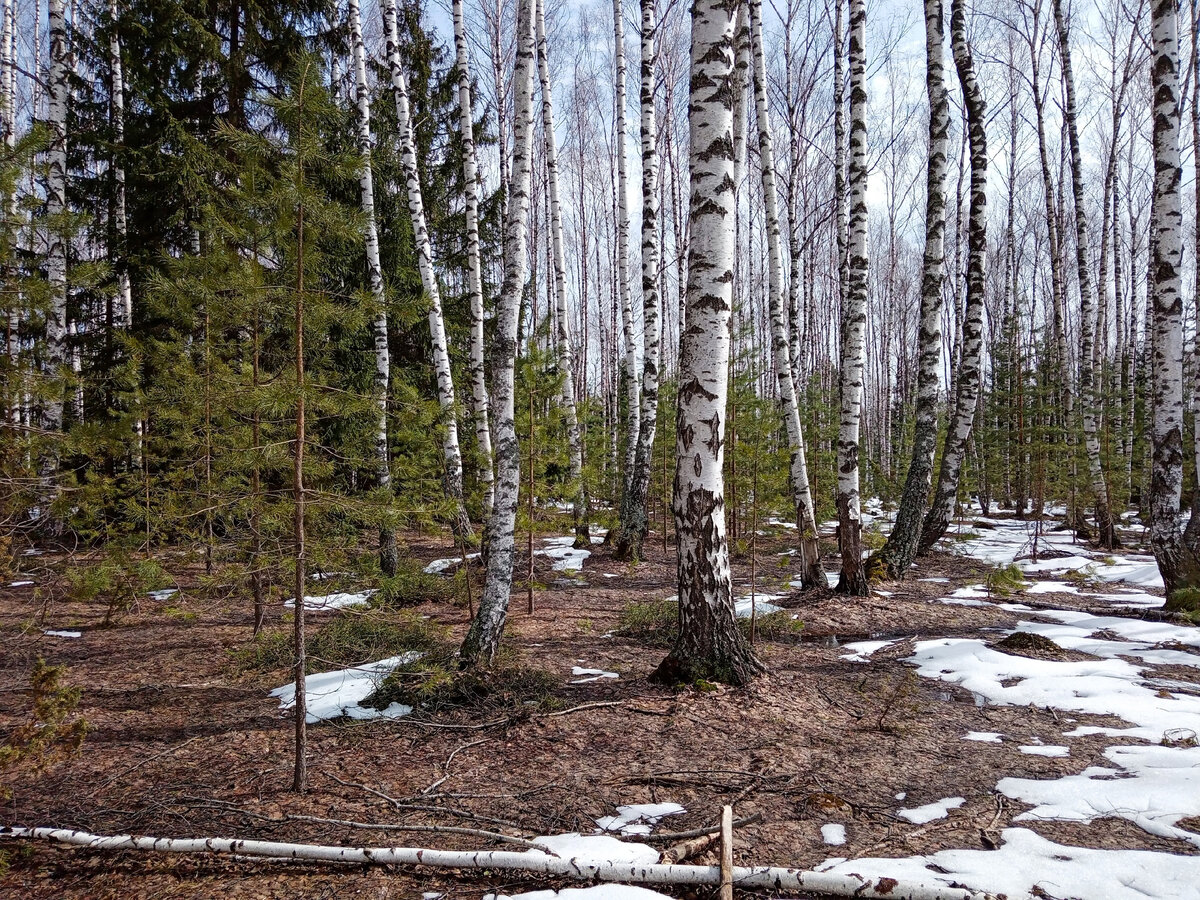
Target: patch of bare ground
x: 183, y: 745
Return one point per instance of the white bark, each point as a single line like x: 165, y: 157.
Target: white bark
x: 854, y: 315
x: 56, y: 207
x: 709, y: 644
x: 1089, y: 398
x: 941, y: 510
x: 479, y: 394
x: 1178, y: 562
x: 452, y: 457
x: 9, y: 130
x: 629, y: 374
x: 566, y: 355
x: 897, y: 554
x: 483, y: 638
x: 635, y: 522
x: 765, y: 877
x: 811, y: 573
x: 387, y: 535
x: 120, y: 221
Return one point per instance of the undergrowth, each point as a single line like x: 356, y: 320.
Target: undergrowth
x: 117, y: 580
x: 412, y: 585
x: 655, y: 623
x: 1006, y: 581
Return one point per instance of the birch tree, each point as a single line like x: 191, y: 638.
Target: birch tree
x: 566, y: 361
x: 1178, y: 562
x: 366, y: 184
x: 483, y: 637
x: 898, y: 553
x: 853, y: 579
x: 941, y: 510
x: 451, y: 454
x: 479, y: 394
x: 120, y: 219
x: 811, y: 573
x: 709, y: 644
x: 1089, y: 399
x: 629, y: 371
x: 635, y: 524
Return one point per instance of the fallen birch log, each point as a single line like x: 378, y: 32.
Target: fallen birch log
x: 765, y: 877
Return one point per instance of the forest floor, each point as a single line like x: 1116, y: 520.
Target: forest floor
x: 184, y: 742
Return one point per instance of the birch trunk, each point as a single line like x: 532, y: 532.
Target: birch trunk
x: 479, y: 394
x: 901, y: 548
x: 854, y: 320
x: 8, y: 123
x: 1191, y: 533
x: 1089, y: 399
x: 56, y: 250
x: 483, y: 638
x: 451, y: 455
x: 383, y: 475
x: 629, y: 371
x: 937, y: 520
x: 709, y: 643
x: 121, y: 262
x: 635, y: 521
x: 1178, y: 561
x: 839, y: 153
x: 566, y: 355
x: 811, y: 573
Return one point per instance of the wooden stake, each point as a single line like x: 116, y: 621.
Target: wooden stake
x: 726, y: 853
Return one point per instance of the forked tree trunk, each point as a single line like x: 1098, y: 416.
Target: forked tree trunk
x: 941, y: 510
x: 901, y: 547
x: 629, y: 374
x: 383, y: 474
x: 635, y: 521
x: 483, y: 638
x: 451, y: 455
x: 853, y: 579
x: 710, y: 644
x: 479, y: 394
x: 1177, y: 561
x: 562, y: 339
x: 811, y: 573
x: 1088, y: 396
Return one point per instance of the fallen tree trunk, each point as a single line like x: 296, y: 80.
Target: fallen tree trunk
x: 768, y: 877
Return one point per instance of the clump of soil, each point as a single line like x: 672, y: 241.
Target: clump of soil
x: 1037, y: 646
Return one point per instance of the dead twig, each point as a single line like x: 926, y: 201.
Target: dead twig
x: 446, y: 767
x: 596, y: 704
x: 667, y: 836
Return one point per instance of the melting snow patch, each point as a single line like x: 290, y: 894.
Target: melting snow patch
x: 984, y: 737
x: 1051, y: 587
x: 1045, y: 750
x: 438, y: 566
x: 331, y: 601
x: 833, y: 833
x: 1026, y: 861
x: 638, y: 818
x: 590, y: 675
x: 860, y: 651
x: 331, y: 695
x: 164, y: 594
x: 63, y: 634
x: 564, y: 554
x: 762, y: 605
x: 596, y: 848
x: 1154, y: 787
x: 930, y: 811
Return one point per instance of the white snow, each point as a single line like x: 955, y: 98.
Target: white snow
x: 332, y: 601
x: 861, y: 651
x: 762, y: 605
x: 590, y: 674
x: 596, y: 848
x: 833, y: 834
x: 63, y: 634
x: 595, y: 892
x: 438, y: 566
x: 331, y: 695
x: 939, y: 809
x: 164, y: 594
x: 1045, y: 750
x: 638, y: 818
x: 984, y: 737
x: 566, y: 557
x: 938, y: 580
x: 1026, y: 861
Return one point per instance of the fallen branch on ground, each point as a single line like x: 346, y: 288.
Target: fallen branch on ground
x: 768, y: 877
